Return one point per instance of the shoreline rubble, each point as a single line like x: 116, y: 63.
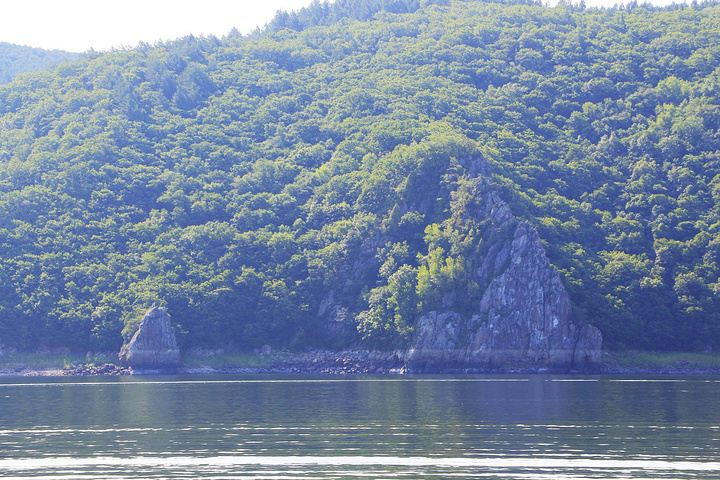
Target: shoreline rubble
x: 349, y: 362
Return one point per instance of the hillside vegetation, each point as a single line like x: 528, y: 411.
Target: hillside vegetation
x: 242, y: 181
x: 17, y: 59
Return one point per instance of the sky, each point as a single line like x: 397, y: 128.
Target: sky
x: 79, y: 25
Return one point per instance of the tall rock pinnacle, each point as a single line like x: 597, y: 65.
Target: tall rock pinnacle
x: 154, y: 345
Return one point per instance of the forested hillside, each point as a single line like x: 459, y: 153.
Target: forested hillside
x: 239, y: 181
x: 16, y: 59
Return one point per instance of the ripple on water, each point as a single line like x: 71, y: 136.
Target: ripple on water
x: 528, y: 428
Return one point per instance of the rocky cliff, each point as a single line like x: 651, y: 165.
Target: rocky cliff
x: 522, y: 315
x: 154, y: 345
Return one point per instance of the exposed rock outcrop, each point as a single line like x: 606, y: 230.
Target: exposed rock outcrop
x: 154, y: 345
x: 508, y: 312
x: 522, y: 315
x: 587, y: 354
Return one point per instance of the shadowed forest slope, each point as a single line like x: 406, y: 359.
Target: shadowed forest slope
x: 17, y: 59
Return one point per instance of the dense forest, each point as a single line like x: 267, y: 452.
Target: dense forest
x: 16, y: 59
x: 239, y: 180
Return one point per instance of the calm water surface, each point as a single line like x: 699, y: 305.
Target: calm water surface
x: 491, y: 427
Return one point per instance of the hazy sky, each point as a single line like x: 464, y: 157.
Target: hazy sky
x: 78, y: 25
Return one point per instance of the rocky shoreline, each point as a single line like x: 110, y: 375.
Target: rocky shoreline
x: 324, y: 362
x: 106, y: 369
x: 688, y: 369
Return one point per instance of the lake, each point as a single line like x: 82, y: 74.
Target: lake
x: 303, y: 427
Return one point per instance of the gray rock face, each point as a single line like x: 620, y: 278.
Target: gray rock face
x: 587, y: 348
x: 154, y: 345
x: 522, y: 317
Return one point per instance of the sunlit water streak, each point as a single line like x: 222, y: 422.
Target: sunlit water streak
x: 353, y: 466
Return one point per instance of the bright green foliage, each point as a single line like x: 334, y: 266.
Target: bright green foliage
x: 387, y: 321
x: 437, y: 276
x: 249, y: 182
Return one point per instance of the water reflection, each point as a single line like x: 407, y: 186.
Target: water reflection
x: 490, y: 427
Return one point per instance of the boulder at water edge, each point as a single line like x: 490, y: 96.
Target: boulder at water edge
x: 154, y: 345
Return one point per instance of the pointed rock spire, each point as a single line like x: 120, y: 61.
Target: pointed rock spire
x: 154, y: 345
